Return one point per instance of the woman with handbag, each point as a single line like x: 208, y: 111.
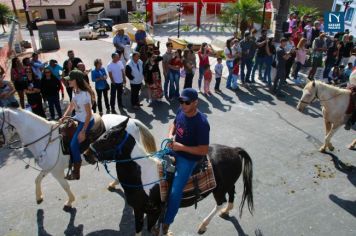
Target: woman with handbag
x: 99, y: 76
x: 152, y: 76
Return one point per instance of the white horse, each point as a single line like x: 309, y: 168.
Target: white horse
x: 334, y: 102
x: 42, y: 138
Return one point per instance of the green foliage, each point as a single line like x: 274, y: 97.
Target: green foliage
x: 186, y: 28
x: 241, y: 13
x: 5, y: 11
x: 302, y: 10
x: 137, y: 17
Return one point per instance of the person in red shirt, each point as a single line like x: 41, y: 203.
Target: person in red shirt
x: 174, y: 66
x: 235, y: 73
x: 208, y: 75
x: 203, y: 54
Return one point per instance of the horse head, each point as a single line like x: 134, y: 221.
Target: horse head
x: 309, y: 95
x: 7, y: 131
x: 109, y: 146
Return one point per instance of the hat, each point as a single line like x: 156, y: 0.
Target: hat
x: 74, y: 75
x: 189, y: 94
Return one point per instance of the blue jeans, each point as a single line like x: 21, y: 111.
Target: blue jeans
x: 259, y: 61
x: 230, y: 66
x: 267, y: 76
x: 184, y: 169
x: 248, y: 63
x: 174, y: 76
x: 328, y: 66
x: 75, y: 145
x: 165, y: 85
x: 201, y: 75
x: 297, y: 69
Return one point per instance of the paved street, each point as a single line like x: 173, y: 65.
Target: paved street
x: 297, y: 190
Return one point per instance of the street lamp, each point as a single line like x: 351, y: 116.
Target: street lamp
x: 347, y: 3
x: 179, y: 10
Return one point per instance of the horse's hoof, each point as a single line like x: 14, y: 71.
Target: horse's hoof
x: 111, y: 188
x: 322, y: 149
x: 224, y: 215
x: 39, y: 201
x: 331, y: 148
x: 202, y: 229
x: 67, y: 208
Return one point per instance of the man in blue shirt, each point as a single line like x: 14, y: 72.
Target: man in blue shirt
x: 121, y: 40
x: 190, y: 135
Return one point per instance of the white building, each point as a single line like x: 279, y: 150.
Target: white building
x: 118, y: 9
x: 65, y: 12
x: 350, y: 18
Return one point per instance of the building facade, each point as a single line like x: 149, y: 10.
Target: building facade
x: 64, y: 12
x: 350, y: 18
x: 118, y: 9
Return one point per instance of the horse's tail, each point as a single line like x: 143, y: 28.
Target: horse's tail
x: 247, y: 177
x: 148, y: 141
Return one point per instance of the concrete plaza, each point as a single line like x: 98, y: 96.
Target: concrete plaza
x: 297, y: 189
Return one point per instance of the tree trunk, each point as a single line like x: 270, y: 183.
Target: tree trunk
x: 3, y: 28
x: 281, y: 17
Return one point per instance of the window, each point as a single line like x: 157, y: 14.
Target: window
x: 49, y: 14
x: 349, y: 14
x: 80, y: 11
x: 337, y: 7
x: 62, y: 13
x: 115, y: 4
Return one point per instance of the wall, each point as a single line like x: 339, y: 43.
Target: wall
x: 116, y: 11
x: 322, y: 5
x: 72, y: 12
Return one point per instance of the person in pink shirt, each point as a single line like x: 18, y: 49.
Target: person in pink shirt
x: 301, y: 56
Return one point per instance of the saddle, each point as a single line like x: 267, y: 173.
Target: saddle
x: 352, y: 104
x: 202, y: 180
x: 68, y: 129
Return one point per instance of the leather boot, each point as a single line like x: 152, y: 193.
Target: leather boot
x: 75, y: 175
x: 165, y: 228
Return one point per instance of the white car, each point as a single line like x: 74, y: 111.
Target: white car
x: 88, y: 34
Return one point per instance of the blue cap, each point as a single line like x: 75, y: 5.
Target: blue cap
x: 189, y: 94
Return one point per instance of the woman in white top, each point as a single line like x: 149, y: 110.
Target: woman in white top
x: 83, y: 97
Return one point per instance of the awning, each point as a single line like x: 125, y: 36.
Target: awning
x: 94, y: 10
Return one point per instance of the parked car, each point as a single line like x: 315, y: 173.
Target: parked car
x: 108, y: 21
x: 88, y: 34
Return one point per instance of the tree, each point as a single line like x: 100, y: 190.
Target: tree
x: 241, y: 14
x: 5, y: 12
x: 281, y: 17
x: 302, y: 10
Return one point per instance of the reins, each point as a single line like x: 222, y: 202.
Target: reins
x: 164, y: 150
x: 317, y: 97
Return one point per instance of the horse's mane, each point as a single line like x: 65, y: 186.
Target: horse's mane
x: 327, y: 86
x: 31, y: 114
x: 147, y: 138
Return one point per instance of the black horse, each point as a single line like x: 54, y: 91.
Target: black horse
x: 136, y: 175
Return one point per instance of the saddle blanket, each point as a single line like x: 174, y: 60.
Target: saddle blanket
x: 204, y: 179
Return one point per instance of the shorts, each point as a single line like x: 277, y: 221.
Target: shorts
x: 317, y: 61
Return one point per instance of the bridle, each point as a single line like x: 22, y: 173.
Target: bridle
x: 317, y: 97
x: 50, y: 140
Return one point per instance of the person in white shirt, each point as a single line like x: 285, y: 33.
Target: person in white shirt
x: 117, y: 77
x: 230, y: 53
x: 82, y: 100
x: 134, y: 71
x: 218, y: 74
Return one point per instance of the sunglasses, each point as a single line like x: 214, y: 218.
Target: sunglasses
x: 185, y: 102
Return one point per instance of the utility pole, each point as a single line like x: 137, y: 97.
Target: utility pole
x: 33, y: 42
x: 179, y: 10
x: 263, y: 14
x: 14, y: 8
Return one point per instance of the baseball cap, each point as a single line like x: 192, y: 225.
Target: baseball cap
x: 188, y: 94
x: 74, y: 75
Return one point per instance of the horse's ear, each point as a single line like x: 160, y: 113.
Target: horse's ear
x: 122, y: 125
x: 313, y: 83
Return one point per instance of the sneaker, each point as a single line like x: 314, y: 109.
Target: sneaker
x: 108, y: 111
x: 348, y: 125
